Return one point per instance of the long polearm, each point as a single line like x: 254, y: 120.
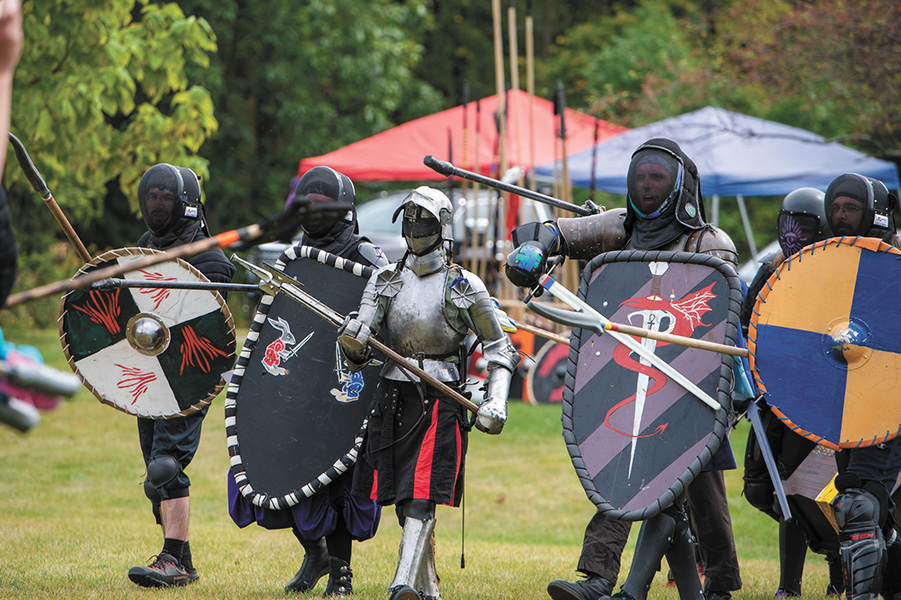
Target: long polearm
x: 112, y: 283
x: 447, y: 169
x: 273, y: 280
x: 40, y: 186
x: 271, y: 228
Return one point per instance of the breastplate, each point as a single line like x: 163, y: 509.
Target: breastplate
x: 417, y: 327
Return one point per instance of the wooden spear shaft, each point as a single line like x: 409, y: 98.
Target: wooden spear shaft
x: 40, y: 186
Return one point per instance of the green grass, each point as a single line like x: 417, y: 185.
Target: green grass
x: 73, y: 516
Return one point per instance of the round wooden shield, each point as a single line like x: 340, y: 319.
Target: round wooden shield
x: 294, y: 413
x: 636, y: 437
x: 825, y: 342
x: 547, y: 376
x: 151, y: 352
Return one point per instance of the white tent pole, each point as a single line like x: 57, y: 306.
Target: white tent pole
x: 743, y: 211
x: 715, y: 211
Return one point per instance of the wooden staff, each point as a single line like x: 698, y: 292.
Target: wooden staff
x: 473, y: 259
x: 40, y: 186
x: 273, y: 227
x: 530, y: 87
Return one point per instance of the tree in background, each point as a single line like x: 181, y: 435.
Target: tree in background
x: 298, y: 79
x: 101, y: 93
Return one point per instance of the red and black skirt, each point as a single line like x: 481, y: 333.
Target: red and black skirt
x: 414, y: 446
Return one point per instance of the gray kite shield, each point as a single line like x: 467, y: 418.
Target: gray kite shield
x: 294, y: 413
x: 636, y: 437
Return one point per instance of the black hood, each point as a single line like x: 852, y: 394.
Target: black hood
x: 682, y: 209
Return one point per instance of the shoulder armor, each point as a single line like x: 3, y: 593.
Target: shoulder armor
x: 465, y: 288
x: 388, y: 281
x: 372, y: 254
x: 586, y: 237
x: 713, y: 241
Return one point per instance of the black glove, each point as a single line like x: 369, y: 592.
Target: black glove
x: 526, y: 264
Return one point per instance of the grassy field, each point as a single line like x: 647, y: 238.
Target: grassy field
x: 73, y: 516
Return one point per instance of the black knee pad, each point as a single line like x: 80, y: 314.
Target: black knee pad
x: 416, y: 509
x: 759, y: 493
x: 161, y: 471
x: 862, y: 547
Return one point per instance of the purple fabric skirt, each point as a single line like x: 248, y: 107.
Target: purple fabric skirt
x: 313, y: 517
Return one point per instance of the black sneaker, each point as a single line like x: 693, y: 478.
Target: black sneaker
x: 590, y: 588
x: 164, y: 571
x: 192, y: 575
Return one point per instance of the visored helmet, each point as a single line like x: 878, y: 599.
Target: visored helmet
x: 324, y: 184
x: 427, y: 219
x: 802, y: 220
x: 860, y: 205
x: 167, y: 194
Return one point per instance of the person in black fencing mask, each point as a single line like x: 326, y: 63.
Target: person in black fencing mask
x: 857, y: 205
x: 327, y: 522
x: 169, y: 198
x: 664, y: 211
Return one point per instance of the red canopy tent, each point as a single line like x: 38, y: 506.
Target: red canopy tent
x: 397, y: 154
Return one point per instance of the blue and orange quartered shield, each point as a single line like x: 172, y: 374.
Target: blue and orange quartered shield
x: 194, y: 333
x: 637, y: 438
x: 825, y: 342
x: 294, y: 413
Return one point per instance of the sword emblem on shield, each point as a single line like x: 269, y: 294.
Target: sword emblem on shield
x: 659, y: 314
x: 278, y: 351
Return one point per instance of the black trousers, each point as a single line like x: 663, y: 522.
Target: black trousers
x: 605, y: 538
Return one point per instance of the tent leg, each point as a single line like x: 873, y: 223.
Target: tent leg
x: 743, y: 211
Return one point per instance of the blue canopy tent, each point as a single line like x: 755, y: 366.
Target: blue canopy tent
x: 737, y: 155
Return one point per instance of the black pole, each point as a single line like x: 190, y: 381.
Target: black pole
x: 447, y: 169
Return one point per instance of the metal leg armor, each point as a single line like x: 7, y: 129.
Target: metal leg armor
x: 654, y: 539
x: 427, y: 581
x: 792, y: 552
x: 863, y: 552
x: 415, y: 543
x: 682, y: 561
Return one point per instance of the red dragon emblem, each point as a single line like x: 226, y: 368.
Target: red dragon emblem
x: 680, y: 317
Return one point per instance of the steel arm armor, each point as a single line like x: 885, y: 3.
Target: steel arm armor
x: 586, y: 237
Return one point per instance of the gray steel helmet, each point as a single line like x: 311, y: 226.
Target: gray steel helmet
x: 426, y: 201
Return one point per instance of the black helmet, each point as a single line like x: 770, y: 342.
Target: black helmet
x: 876, y: 204
x: 184, y: 186
x: 324, y: 184
x: 802, y: 220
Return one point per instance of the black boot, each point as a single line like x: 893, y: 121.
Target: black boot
x: 681, y: 558
x: 792, y: 552
x: 340, y: 578
x: 836, y: 585
x: 314, y: 567
x: 590, y: 588
x: 654, y: 539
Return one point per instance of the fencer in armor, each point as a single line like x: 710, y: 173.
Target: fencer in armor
x: 801, y: 222
x: 664, y: 211
x: 870, y: 548
x: 415, y: 445
x: 327, y: 522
